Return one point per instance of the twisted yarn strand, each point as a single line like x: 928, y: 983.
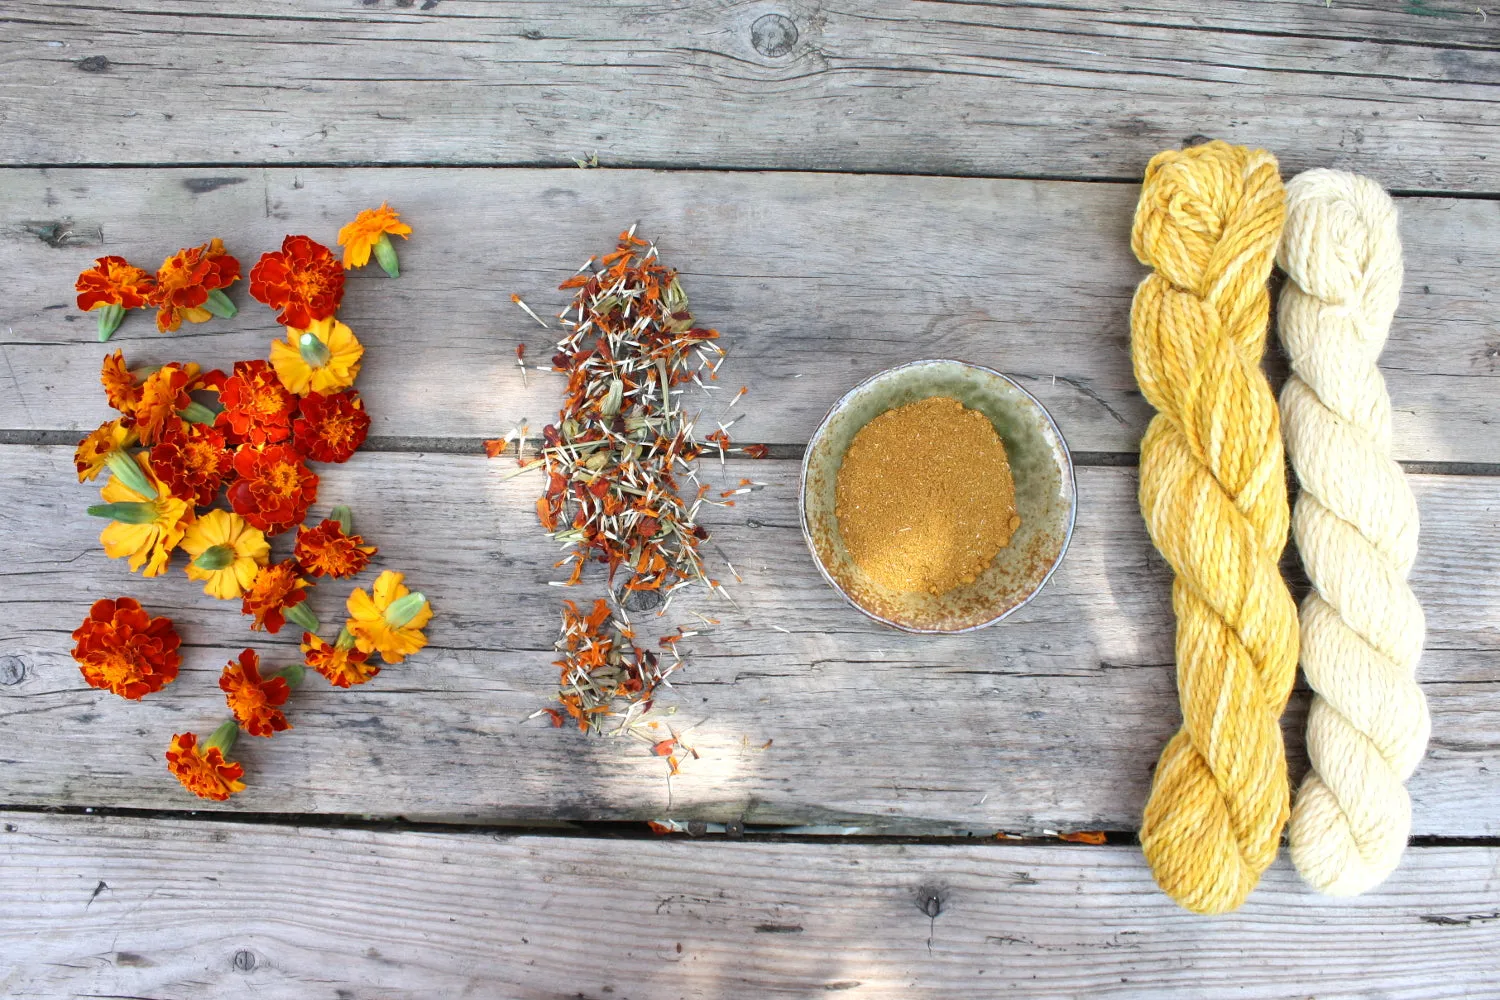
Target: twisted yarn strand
x: 1213, y: 493
x: 1356, y: 529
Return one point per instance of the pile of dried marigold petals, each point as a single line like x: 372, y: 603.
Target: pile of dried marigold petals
x: 215, y: 465
x: 614, y: 460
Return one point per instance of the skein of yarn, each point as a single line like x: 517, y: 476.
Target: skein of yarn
x: 1213, y: 493
x: 1356, y: 529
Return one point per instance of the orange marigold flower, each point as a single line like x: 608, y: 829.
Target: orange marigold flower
x: 274, y: 489
x: 359, y: 237
x: 123, y: 649
x: 203, y: 769
x: 331, y: 428
x: 113, y: 281
x: 254, y: 700
x: 163, y: 395
x: 186, y: 278
x: 327, y: 551
x: 344, y: 666
x: 120, y: 387
x: 94, y: 451
x: 257, y: 407
x: 302, y: 281
x: 276, y: 588
x: 192, y: 460
x: 390, y: 620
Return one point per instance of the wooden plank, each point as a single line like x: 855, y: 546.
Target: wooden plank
x: 816, y: 281
x: 958, y: 88
x: 164, y: 908
x: 1052, y: 720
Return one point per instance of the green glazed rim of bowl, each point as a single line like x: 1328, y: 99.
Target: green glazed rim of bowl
x: 1067, y: 484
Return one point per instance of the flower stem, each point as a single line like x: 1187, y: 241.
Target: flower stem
x: 292, y: 673
x: 223, y: 737
x: 402, y: 610
x: 125, y: 511
x: 219, y: 304
x: 313, y: 350
x: 215, y: 557
x: 110, y: 318
x: 345, y: 639
x: 196, y: 413
x: 303, y: 615
x: 345, y: 517
x: 385, y: 256
x: 129, y: 472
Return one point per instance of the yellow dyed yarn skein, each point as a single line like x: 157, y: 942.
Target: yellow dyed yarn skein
x: 1213, y: 493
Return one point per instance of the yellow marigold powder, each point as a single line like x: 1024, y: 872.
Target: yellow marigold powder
x: 924, y: 497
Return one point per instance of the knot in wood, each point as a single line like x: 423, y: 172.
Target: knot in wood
x: 773, y: 35
x: 94, y: 64
x: 12, y: 670
x: 244, y: 960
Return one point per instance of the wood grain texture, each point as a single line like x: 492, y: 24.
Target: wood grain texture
x: 1052, y: 720
x: 1011, y: 89
x: 168, y: 909
x: 816, y: 281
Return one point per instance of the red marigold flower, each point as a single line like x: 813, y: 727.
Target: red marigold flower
x: 163, y: 395
x: 114, y: 281
x: 331, y: 428
x: 252, y: 698
x: 203, y: 769
x: 344, y: 666
x: 274, y: 489
x: 276, y: 588
x: 186, y: 278
x: 257, y: 407
x: 123, y: 649
x: 327, y: 551
x: 120, y: 387
x: 192, y: 460
x: 303, y: 280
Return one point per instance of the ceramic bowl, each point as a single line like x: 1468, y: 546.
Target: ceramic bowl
x: 1046, y: 499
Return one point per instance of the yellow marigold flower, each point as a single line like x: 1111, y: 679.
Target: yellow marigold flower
x: 226, y: 553
x: 367, y: 232
x: 389, y: 622
x: 144, y: 528
x: 324, y: 358
x: 93, y: 451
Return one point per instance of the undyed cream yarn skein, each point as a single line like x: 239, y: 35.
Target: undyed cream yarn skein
x: 1213, y: 493
x: 1356, y: 529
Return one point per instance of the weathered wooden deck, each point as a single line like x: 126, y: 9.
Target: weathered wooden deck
x: 844, y: 189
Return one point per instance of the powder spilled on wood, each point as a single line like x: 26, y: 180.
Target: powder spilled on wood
x: 925, y: 497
